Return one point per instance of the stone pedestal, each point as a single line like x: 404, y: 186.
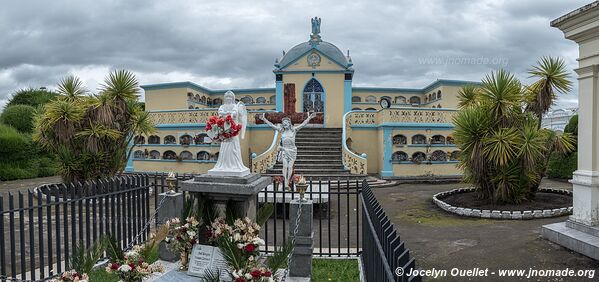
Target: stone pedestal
x: 171, y: 207
x: 301, y: 257
x: 241, y: 190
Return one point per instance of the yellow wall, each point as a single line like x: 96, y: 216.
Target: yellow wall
x: 166, y: 99
x: 367, y: 141
x: 325, y: 64
x: 332, y: 84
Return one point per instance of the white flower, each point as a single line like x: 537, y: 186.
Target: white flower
x: 191, y: 233
x: 124, y: 268
x: 248, y: 276
x: 258, y: 241
x: 240, y: 245
x: 236, y: 237
x: 131, y: 254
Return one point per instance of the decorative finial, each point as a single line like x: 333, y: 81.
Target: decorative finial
x: 276, y: 60
x: 283, y: 52
x: 315, y: 36
x: 348, y: 52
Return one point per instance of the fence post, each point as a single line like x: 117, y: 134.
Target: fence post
x: 302, y: 235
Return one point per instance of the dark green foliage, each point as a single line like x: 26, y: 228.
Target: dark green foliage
x: 112, y: 248
x: 20, y: 117
x: 18, y: 155
x: 572, y: 126
x: 31, y: 97
x: 264, y: 213
x: 279, y: 258
x: 562, y: 166
x: 83, y: 260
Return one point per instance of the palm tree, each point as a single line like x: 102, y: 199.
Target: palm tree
x: 91, y: 134
x: 503, y: 151
x: 552, y: 78
x: 468, y: 96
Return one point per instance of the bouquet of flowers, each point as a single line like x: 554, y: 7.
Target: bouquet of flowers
x: 184, y: 234
x: 241, y: 241
x: 72, y: 276
x: 220, y: 129
x: 133, y: 268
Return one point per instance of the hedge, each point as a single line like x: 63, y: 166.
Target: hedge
x: 562, y: 166
x: 19, y: 116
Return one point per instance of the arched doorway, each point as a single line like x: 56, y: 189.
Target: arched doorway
x: 313, y: 96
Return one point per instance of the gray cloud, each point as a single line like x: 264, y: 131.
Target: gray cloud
x: 223, y: 44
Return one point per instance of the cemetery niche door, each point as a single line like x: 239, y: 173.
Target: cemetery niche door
x: 313, y: 97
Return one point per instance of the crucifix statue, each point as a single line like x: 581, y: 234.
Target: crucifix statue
x: 287, y: 149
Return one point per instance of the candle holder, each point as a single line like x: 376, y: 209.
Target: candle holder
x: 171, y: 180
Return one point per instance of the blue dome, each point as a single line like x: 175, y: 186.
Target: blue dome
x: 323, y: 47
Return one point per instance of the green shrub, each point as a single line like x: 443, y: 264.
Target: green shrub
x: 14, y: 146
x: 31, y: 97
x: 572, y: 126
x: 18, y: 170
x: 20, y: 117
x: 562, y: 166
x: 21, y: 158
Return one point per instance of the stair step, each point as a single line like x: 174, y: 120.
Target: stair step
x: 310, y: 166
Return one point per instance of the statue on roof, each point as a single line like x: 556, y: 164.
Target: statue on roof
x: 315, y: 25
x: 315, y: 36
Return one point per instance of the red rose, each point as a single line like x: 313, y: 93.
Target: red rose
x: 114, y: 266
x: 212, y: 119
x: 267, y: 274
x: 183, y: 229
x: 255, y: 273
x: 132, y: 265
x: 208, y: 127
x: 209, y: 233
x: 179, y: 238
x: 249, y: 248
x: 240, y: 279
x: 239, y: 127
x: 220, y: 122
x: 229, y: 118
x: 193, y: 241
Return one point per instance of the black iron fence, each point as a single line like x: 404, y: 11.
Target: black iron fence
x: 40, y: 228
x: 385, y: 256
x: 336, y: 204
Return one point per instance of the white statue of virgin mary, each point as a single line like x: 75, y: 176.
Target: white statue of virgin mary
x: 229, y: 161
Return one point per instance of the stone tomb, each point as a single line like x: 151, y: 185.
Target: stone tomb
x: 241, y: 190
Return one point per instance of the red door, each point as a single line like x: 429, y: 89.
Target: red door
x: 289, y: 97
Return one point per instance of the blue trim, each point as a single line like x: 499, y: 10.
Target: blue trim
x: 197, y: 87
x: 347, y: 94
x: 435, y: 84
x: 177, y: 145
x: 279, y: 96
x: 311, y: 71
x: 172, y: 161
x: 430, y: 145
x: 314, y: 47
x: 202, y: 126
x: 129, y: 166
x: 424, y: 162
x: 406, y: 125
x: 388, y: 150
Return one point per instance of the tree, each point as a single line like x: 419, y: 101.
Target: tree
x: 504, y: 152
x: 90, y: 133
x: 31, y: 97
x: 19, y: 116
x: 552, y: 78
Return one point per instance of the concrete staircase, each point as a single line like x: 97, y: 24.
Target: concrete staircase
x: 318, y: 155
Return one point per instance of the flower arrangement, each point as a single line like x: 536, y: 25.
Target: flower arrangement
x: 184, y: 234
x: 221, y: 129
x: 241, y: 242
x: 133, y: 268
x: 298, y: 179
x: 72, y: 276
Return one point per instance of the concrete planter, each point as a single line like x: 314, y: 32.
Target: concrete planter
x: 496, y: 214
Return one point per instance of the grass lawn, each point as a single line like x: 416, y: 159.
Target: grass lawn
x: 335, y: 270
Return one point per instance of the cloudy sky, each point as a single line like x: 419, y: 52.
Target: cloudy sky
x: 233, y: 44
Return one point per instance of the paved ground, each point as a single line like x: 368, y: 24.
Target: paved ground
x: 443, y: 241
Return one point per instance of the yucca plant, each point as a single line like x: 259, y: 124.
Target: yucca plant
x: 91, y: 134
x: 504, y: 153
